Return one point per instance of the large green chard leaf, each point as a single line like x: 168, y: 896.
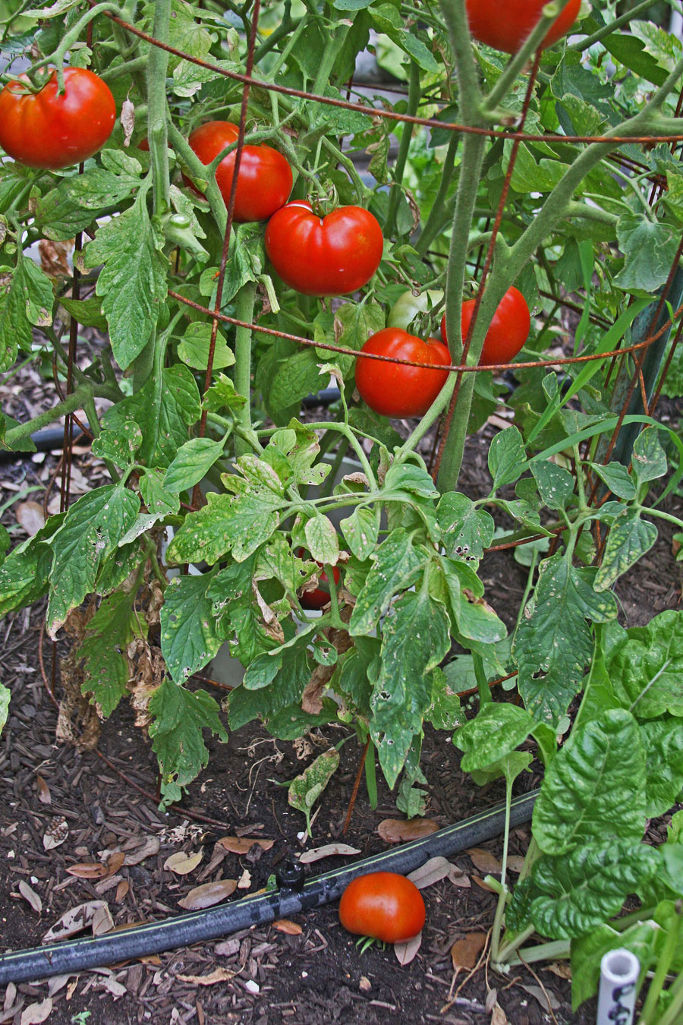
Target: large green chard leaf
x: 646, y: 670
x: 594, y: 788
x: 575, y: 892
x: 587, y: 951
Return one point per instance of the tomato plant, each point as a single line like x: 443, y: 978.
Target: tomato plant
x: 507, y: 332
x: 393, y: 389
x: 264, y: 181
x: 318, y: 597
x: 50, y: 129
x: 384, y: 905
x: 506, y: 27
x: 331, y: 255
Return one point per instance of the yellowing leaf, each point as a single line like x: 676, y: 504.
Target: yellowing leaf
x: 181, y: 863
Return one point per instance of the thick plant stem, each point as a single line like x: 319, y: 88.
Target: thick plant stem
x: 245, y: 311
x: 157, y: 68
x: 664, y: 963
x: 70, y: 404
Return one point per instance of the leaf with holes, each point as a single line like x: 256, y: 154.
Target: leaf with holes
x: 554, y: 642
x: 189, y: 629
x: 90, y: 532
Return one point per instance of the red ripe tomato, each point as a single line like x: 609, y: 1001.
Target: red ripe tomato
x: 317, y: 597
x: 265, y: 178
x: 49, y: 130
x: 384, y: 905
x: 393, y: 389
x: 331, y: 255
x: 505, y: 26
x: 507, y: 332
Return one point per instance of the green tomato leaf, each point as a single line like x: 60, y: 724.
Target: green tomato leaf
x: 555, y: 484
x: 305, y: 789
x: 91, y: 531
x: 189, y: 636
x: 132, y: 282
x: 396, y: 566
x: 191, y: 463
x: 26, y: 300
x: 361, y: 531
x: 629, y: 539
x: 465, y: 530
x: 179, y: 718
x: 194, y: 348
x: 415, y: 638
x: 554, y: 642
x: 322, y: 539
x: 507, y: 457
x: 119, y: 446
x: 495, y: 732
x: 649, y: 458
x: 79, y: 200
x: 107, y: 635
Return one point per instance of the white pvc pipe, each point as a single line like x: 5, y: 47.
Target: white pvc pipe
x: 619, y: 970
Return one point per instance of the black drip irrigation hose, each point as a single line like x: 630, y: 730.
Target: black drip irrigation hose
x: 294, y: 895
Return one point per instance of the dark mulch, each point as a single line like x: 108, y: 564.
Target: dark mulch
x: 317, y: 975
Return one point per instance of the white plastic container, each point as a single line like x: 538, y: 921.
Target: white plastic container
x: 619, y: 971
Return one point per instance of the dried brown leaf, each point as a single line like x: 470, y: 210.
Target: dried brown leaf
x: 30, y: 895
x: 121, y: 891
x: 88, y: 870
x: 44, y: 795
x: 244, y: 880
x: 217, y: 975
x: 498, y: 1016
x: 94, y: 914
x: 243, y: 844
x: 290, y: 928
x: 36, y: 1013
x: 482, y: 885
x: 30, y: 516
x: 436, y: 869
x: 485, y: 861
x: 405, y: 952
x: 561, y: 969
x: 330, y: 849
x: 545, y: 997
x: 465, y: 952
x: 399, y: 830
x: 148, y: 849
x: 182, y: 863
x: 208, y: 894
x: 115, y: 862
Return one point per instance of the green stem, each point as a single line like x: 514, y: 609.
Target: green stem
x: 672, y: 1014
x: 434, y: 224
x: 511, y: 946
x: 403, y: 150
x: 651, y: 511
x: 661, y: 971
x: 198, y: 170
x: 485, y: 697
x: 502, y: 896
x: 157, y: 70
x: 70, y: 404
x: 71, y: 37
x: 606, y: 30
x: 128, y: 68
x: 543, y: 952
x: 246, y: 297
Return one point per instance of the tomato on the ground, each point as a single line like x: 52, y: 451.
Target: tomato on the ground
x: 507, y: 332
x: 51, y: 130
x: 331, y: 255
x: 265, y: 178
x: 384, y: 905
x: 394, y: 389
x: 505, y: 26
